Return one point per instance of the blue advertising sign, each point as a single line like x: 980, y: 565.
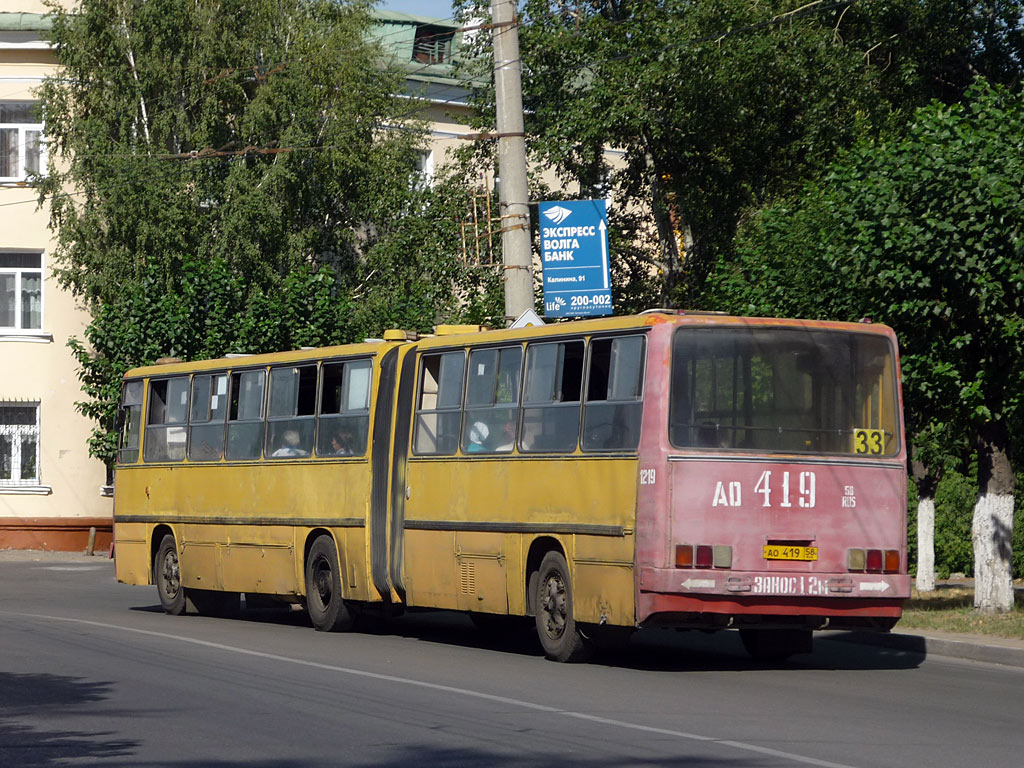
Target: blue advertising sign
x: 574, y: 257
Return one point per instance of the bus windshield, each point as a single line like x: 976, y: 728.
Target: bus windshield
x: 783, y: 390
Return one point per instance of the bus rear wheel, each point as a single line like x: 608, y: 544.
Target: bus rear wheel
x: 324, y: 603
x: 167, y: 577
x: 556, y: 627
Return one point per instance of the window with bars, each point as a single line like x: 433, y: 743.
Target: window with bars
x: 432, y: 44
x: 21, y: 291
x: 19, y: 445
x: 22, y: 147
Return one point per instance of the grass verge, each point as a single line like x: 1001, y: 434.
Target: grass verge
x: 952, y: 610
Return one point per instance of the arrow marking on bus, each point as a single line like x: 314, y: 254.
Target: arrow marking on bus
x: 699, y: 584
x: 874, y: 586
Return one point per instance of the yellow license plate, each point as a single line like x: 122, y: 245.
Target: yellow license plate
x: 780, y: 552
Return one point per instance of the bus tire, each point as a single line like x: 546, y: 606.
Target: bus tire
x: 324, y: 603
x: 167, y: 577
x: 774, y: 645
x: 556, y: 627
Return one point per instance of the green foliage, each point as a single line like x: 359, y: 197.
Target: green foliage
x: 955, y: 497
x: 926, y: 233
x: 226, y: 177
x: 721, y: 107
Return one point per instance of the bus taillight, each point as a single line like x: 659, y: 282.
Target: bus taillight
x: 892, y: 561
x: 707, y: 556
x: 874, y: 560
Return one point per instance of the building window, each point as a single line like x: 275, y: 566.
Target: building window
x: 432, y: 45
x: 22, y: 149
x: 19, y: 445
x: 21, y: 291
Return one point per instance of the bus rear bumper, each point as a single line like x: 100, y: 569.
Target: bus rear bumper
x: 829, y: 596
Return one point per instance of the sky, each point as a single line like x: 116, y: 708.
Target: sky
x: 440, y: 9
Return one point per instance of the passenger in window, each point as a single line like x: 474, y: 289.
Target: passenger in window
x: 477, y: 436
x: 508, y: 436
x: 343, y: 443
x: 291, y: 445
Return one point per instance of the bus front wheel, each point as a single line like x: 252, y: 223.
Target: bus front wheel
x: 556, y: 627
x: 324, y: 603
x: 167, y: 577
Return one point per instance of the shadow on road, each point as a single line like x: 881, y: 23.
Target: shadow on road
x: 39, y: 698
x: 649, y: 649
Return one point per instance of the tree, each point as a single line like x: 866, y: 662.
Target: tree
x: 925, y: 232
x: 721, y: 107
x: 226, y: 177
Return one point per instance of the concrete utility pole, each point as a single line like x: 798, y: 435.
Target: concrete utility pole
x: 513, y: 196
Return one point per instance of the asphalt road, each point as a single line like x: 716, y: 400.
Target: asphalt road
x: 92, y: 673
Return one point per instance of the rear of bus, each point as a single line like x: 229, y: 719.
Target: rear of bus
x: 772, y: 493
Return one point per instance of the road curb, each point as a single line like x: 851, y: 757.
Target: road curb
x: 931, y: 645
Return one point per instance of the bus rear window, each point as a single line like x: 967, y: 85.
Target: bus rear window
x: 783, y: 390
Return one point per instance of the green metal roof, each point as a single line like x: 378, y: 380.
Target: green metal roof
x: 408, y: 18
x: 25, y: 22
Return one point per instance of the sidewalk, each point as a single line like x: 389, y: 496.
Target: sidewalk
x: 987, y: 648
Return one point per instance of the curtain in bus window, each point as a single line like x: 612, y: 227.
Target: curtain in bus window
x: 206, y: 420
x: 551, y: 402
x: 245, y: 415
x: 344, y: 421
x: 439, y: 405
x: 165, y: 425
x: 131, y: 423
x: 492, y: 400
x: 614, y: 406
x: 783, y: 390
x: 290, y: 418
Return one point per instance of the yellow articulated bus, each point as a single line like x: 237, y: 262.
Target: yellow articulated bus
x: 572, y: 473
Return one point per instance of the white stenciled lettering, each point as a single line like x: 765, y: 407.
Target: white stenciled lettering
x: 807, y: 483
x: 730, y: 495
x: 849, y: 497
x: 735, y: 494
x: 764, y: 487
x: 720, y: 499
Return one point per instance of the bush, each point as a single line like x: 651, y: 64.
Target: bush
x: 954, y: 510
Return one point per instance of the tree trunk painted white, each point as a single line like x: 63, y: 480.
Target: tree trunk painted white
x: 926, y: 544
x: 991, y: 534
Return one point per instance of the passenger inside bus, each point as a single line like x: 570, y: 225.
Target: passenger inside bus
x: 477, y: 436
x: 291, y: 447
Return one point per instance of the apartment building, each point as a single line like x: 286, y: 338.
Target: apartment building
x: 51, y: 491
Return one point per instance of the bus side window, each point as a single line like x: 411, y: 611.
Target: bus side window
x: 206, y: 422
x: 344, y: 421
x: 551, y: 398
x: 290, y: 418
x: 245, y: 416
x: 165, y: 422
x: 439, y: 405
x: 131, y: 423
x: 492, y: 400
x: 611, y: 416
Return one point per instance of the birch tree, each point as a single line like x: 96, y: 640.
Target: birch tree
x: 226, y: 176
